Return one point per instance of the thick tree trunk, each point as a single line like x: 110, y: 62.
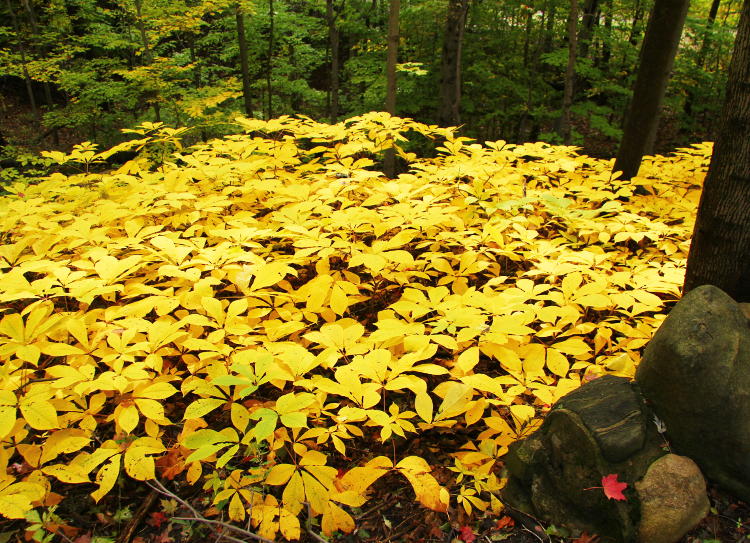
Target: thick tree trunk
x: 450, y: 69
x: 244, y: 67
x: 720, y: 251
x: 389, y: 161
x: 570, y: 73
x: 657, y: 56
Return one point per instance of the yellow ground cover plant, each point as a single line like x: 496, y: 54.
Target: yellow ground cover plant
x: 268, y: 316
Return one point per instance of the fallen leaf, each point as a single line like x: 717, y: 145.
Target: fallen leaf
x: 467, y: 534
x: 613, y: 488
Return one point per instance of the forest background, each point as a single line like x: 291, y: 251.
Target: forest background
x: 83, y: 69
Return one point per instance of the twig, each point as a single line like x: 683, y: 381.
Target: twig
x: 308, y: 526
x: 127, y: 534
x: 156, y: 485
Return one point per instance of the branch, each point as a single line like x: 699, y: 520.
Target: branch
x: 159, y: 487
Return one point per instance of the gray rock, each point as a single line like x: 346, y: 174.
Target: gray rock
x: 695, y: 373
x: 673, y: 499
x: 600, y: 429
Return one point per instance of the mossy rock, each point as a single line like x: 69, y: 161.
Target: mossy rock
x: 695, y: 373
x: 602, y: 428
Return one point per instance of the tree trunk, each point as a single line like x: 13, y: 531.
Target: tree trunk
x: 450, y: 68
x: 42, y: 52
x: 607, y: 39
x: 24, y: 69
x: 570, y: 73
x: 147, y: 54
x: 588, y: 21
x: 699, y: 62
x: 269, y: 65
x: 389, y: 161
x: 720, y: 250
x: 657, y: 56
x: 244, y: 67
x: 333, y: 77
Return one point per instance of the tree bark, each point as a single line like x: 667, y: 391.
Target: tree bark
x: 389, y: 160
x: 244, y: 67
x: 657, y: 56
x: 720, y: 250
x: 450, y: 68
x: 570, y: 73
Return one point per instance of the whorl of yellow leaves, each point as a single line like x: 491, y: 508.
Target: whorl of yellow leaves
x: 250, y: 311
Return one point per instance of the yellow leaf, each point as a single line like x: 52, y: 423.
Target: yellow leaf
x: 289, y: 524
x: 127, y: 417
x: 466, y: 362
x: 360, y: 478
x: 139, y: 460
x: 339, y: 301
x: 39, y: 412
x: 202, y: 407
x: 157, y: 391
x: 106, y: 477
x: 151, y: 409
x: 64, y: 441
x: 426, y: 488
x: 16, y: 498
x: 336, y: 519
x: 279, y: 474
x: 236, y: 508
x: 456, y: 400
x: 423, y: 406
x: 7, y: 420
x: 557, y: 362
x: 269, y: 274
x: 574, y: 346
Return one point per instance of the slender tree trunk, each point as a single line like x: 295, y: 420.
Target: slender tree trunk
x: 607, y: 40
x: 657, y: 56
x: 570, y: 73
x: 24, y: 69
x: 42, y: 51
x: 269, y: 66
x: 635, y: 26
x: 333, y: 77
x: 720, y: 250
x: 701, y: 59
x: 588, y: 21
x: 194, y: 62
x: 147, y: 54
x: 450, y: 69
x: 244, y: 68
x: 389, y: 162
x: 549, y: 32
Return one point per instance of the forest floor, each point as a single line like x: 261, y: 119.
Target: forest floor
x: 137, y: 514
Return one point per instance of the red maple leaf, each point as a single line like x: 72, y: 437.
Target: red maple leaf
x: 613, y: 488
x: 157, y: 519
x: 586, y: 538
x: 466, y: 534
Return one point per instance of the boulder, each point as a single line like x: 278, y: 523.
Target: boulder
x: 600, y: 429
x: 673, y: 499
x: 695, y: 373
